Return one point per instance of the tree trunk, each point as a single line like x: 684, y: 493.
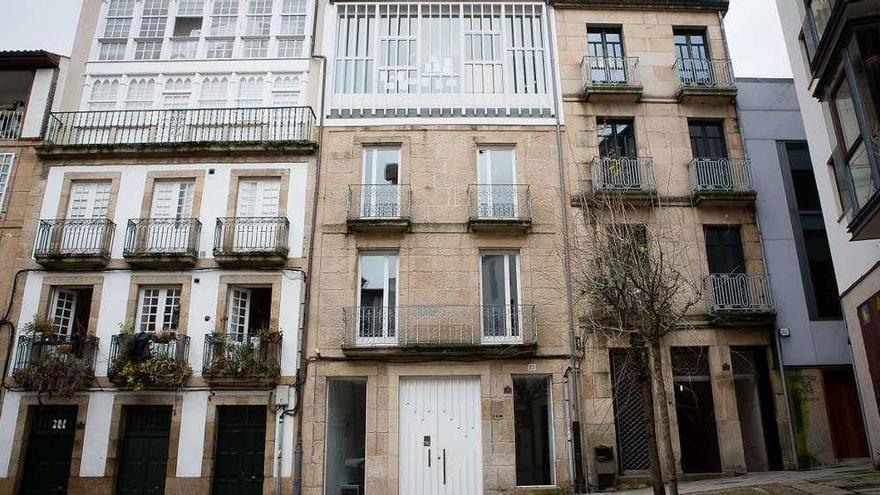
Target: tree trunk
x: 665, y: 433
x: 644, y: 377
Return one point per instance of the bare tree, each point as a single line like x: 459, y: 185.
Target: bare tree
x: 634, y: 277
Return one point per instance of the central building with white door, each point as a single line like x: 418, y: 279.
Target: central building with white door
x: 438, y: 331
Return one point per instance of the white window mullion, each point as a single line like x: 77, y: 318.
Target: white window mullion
x: 6, y: 162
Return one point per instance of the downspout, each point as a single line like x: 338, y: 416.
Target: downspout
x: 776, y: 337
x: 579, y: 479
x: 302, y: 368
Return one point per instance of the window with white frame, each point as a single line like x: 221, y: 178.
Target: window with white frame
x: 111, y: 50
x: 214, y: 92
x: 293, y: 18
x: 190, y: 7
x: 224, y: 17
x: 117, y: 24
x: 6, y: 160
x: 147, y: 50
x: 69, y: 310
x: 254, y: 48
x: 258, y: 21
x: 290, y: 48
x: 250, y: 92
x: 418, y: 48
x: 158, y: 308
x: 103, y: 94
x: 177, y: 92
x: 140, y: 94
x: 154, y: 18
x: 286, y: 91
x: 248, y: 311
x: 219, y: 48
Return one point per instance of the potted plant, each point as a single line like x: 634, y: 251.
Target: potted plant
x: 136, y: 366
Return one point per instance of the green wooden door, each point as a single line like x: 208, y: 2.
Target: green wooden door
x: 143, y: 453
x: 49, y: 448
x: 240, y: 452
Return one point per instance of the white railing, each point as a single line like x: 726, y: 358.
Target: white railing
x: 721, y: 175
x: 10, y: 123
x: 623, y: 174
x: 739, y: 293
x: 610, y: 71
x: 443, y: 326
x: 704, y: 73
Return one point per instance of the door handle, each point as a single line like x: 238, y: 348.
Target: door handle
x: 429, y: 457
x: 444, y: 466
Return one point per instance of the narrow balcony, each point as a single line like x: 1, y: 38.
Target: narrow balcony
x: 162, y: 242
x: 739, y: 296
x: 242, y: 361
x: 706, y: 80
x: 379, y: 208
x: 251, y: 241
x: 149, y: 360
x: 499, y: 207
x: 74, y: 243
x: 611, y: 79
x: 11, y: 122
x: 177, y: 129
x: 439, y: 330
x: 41, y: 357
x: 722, y: 180
x: 630, y: 178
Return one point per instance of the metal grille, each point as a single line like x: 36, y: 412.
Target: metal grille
x: 690, y: 362
x: 629, y: 414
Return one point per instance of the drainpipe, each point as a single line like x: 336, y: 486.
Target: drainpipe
x: 578, y: 481
x: 302, y: 348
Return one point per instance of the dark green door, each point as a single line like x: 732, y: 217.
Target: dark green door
x: 143, y: 454
x: 49, y: 448
x: 241, y: 449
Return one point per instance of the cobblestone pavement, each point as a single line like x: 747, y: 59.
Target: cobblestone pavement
x: 839, y: 480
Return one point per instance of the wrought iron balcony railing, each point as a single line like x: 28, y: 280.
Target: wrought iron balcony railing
x: 499, y: 202
x: 379, y: 202
x: 10, y: 123
x: 739, y: 293
x: 162, y: 237
x: 610, y: 71
x: 438, y: 326
x: 242, y: 357
x: 236, y: 236
x: 145, y: 345
x: 78, y: 237
x: 180, y: 126
x: 704, y: 73
x: 34, y: 349
x: 721, y: 175
x: 624, y: 174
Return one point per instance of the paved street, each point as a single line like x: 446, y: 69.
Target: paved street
x: 840, y: 480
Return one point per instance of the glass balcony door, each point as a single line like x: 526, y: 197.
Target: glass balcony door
x: 380, y: 194
x: 88, y: 200
x: 257, y: 198
x: 605, y: 49
x: 500, y: 298
x: 496, y: 183
x: 377, y: 299
x: 170, y: 214
x: 695, y: 67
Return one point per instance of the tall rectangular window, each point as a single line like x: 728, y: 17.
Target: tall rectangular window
x: 534, y: 430
x: 617, y: 138
x: 158, y: 308
x: 117, y: 26
x: 346, y: 435
x: 707, y: 139
x: 248, y: 311
x: 500, y: 297
x: 377, y: 298
x: 380, y: 194
x: 606, y: 56
x: 724, y: 250
x: 6, y: 160
x: 70, y: 309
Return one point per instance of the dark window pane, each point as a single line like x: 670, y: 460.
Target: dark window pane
x: 531, y: 411
x: 848, y: 125
x: 803, y: 180
x: 617, y: 138
x: 724, y: 250
x: 864, y: 55
x: 707, y: 139
x: 820, y: 11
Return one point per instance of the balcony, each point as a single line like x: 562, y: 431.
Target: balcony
x: 182, y: 128
x: 242, y: 361
x: 611, y: 79
x: 705, y: 80
x: 74, y: 243
x: 499, y: 207
x: 628, y: 178
x: 439, y: 330
x: 162, y: 242
x: 721, y: 181
x: 739, y: 296
x: 41, y: 357
x: 379, y: 208
x: 149, y: 360
x: 251, y: 241
x: 10, y: 123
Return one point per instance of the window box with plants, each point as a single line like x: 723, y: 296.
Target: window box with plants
x: 235, y: 360
x: 53, y: 361
x: 149, y: 360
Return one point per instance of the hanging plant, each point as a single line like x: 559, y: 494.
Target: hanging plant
x: 252, y: 359
x: 61, y: 375
x: 153, y: 372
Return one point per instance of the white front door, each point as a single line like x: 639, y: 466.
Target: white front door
x: 440, y: 436
x: 171, y: 212
x: 496, y: 189
x: 257, y: 198
x: 88, y: 200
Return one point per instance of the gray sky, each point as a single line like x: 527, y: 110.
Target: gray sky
x: 753, y: 31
